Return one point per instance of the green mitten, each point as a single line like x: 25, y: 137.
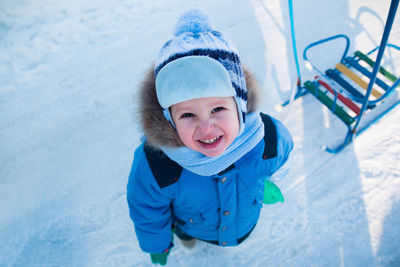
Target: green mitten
x: 272, y: 193
x: 160, y: 258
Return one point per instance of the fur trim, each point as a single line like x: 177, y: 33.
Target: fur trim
x: 158, y: 131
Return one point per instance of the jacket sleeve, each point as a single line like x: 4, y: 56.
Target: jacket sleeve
x: 149, y: 209
x: 284, y: 155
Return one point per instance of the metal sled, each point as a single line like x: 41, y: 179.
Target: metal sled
x: 357, y: 90
x: 344, y: 89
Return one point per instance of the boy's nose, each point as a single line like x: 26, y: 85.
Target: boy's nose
x: 205, y: 126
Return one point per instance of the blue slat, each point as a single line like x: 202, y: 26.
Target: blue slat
x: 336, y: 77
x: 366, y: 72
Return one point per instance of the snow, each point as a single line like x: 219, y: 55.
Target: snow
x: 68, y: 77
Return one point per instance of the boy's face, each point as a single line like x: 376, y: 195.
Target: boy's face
x: 207, y: 125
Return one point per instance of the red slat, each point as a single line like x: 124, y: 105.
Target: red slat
x: 350, y: 104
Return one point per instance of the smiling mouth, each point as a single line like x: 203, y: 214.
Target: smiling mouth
x: 210, y: 141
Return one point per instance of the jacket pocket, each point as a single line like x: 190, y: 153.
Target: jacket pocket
x: 192, y: 218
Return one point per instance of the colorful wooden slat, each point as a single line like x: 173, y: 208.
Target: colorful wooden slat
x: 353, y: 63
x: 338, y: 110
x: 335, y: 75
x: 355, y: 78
x: 370, y: 62
x: 350, y: 104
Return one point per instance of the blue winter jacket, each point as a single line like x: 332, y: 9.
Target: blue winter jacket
x: 222, y: 208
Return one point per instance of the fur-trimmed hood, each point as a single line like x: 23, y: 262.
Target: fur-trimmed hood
x: 158, y: 131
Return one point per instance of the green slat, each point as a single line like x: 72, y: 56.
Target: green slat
x: 370, y: 62
x: 339, y: 111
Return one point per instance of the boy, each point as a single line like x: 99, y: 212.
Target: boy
x: 201, y: 170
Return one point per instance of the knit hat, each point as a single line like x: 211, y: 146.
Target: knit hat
x: 199, y: 62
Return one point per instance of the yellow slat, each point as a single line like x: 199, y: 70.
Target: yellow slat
x: 355, y: 78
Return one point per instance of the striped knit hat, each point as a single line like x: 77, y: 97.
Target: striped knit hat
x: 199, y: 62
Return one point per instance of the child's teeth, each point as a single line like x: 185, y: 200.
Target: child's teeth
x: 210, y: 141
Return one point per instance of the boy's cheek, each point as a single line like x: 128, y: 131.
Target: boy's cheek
x: 181, y: 128
x: 184, y: 134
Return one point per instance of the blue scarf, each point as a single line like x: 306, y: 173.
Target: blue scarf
x: 206, y: 166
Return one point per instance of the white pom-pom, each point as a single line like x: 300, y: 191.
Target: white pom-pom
x: 194, y: 21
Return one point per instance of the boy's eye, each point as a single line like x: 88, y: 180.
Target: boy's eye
x: 217, y: 109
x: 187, y: 115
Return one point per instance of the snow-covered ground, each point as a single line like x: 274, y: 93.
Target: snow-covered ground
x: 68, y: 128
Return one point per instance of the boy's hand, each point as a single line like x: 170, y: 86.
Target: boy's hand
x: 272, y: 193
x: 160, y: 258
